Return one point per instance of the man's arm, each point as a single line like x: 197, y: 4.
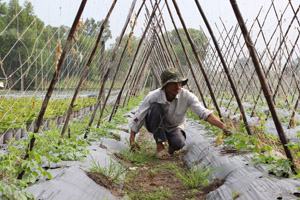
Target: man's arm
x: 205, y: 113
x: 133, y: 145
x: 214, y: 120
x: 132, y: 138
x: 138, y: 119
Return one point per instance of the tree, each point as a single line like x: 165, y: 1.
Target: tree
x: 128, y: 55
x: 19, y: 44
x: 3, y: 13
x: 198, y: 38
x: 28, y: 47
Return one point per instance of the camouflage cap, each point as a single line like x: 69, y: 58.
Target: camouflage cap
x: 172, y: 76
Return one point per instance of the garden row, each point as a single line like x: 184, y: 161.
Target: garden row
x: 49, y: 151
x: 18, y: 115
x: 213, y: 165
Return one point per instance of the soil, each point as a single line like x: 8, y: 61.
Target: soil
x: 105, y: 182
x: 145, y: 181
x: 147, y: 178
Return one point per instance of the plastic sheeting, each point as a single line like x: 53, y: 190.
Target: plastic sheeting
x: 71, y: 183
x: 241, y: 177
x: 70, y: 180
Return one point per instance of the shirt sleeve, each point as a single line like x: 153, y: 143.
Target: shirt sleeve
x: 139, y: 117
x: 197, y: 107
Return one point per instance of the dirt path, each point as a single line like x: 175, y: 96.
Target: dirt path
x: 150, y: 178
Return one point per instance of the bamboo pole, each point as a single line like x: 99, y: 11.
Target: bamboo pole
x: 263, y: 81
x: 118, y: 65
x: 116, y: 105
x: 277, y: 51
x: 225, y: 67
x: 107, y: 72
x: 217, y: 73
x: 134, y: 84
x: 162, y: 34
x: 197, y: 58
x: 53, y: 82
x: 284, y: 68
x: 186, y: 55
x: 86, y: 68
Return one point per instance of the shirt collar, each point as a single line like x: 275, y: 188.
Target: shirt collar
x: 163, y: 99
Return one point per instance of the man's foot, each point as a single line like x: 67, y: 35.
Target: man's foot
x: 161, y: 153
x: 160, y: 146
x: 171, y: 150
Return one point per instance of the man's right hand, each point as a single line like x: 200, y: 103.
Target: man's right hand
x: 227, y: 132
x: 133, y: 146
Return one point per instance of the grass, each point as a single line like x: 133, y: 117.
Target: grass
x: 161, y: 193
x: 140, y: 157
x: 114, y: 172
x: 195, y: 177
x: 172, y: 179
x: 192, y: 178
x: 150, y: 178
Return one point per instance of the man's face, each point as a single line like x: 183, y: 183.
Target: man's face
x: 172, y: 89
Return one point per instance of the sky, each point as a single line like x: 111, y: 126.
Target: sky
x: 62, y: 12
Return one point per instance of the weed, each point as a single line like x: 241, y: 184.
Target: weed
x: 140, y: 157
x: 192, y: 115
x: 114, y: 172
x: 194, y: 178
x: 49, y: 148
x: 137, y: 157
x: 213, y: 130
x: 56, y: 148
x: 105, y: 130
x: 235, y: 195
x: 12, y: 163
x: 281, y: 168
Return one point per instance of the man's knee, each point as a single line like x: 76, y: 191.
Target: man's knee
x: 177, y: 139
x: 154, y: 118
x: 178, y: 144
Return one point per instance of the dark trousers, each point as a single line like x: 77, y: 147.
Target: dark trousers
x: 155, y: 124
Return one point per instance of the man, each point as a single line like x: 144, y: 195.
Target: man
x: 163, y: 113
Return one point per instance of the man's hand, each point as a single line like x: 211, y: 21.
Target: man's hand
x: 133, y: 146
x: 212, y: 119
x: 227, y: 132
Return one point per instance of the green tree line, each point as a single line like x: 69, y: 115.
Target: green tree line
x: 23, y: 37
x: 29, y: 49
